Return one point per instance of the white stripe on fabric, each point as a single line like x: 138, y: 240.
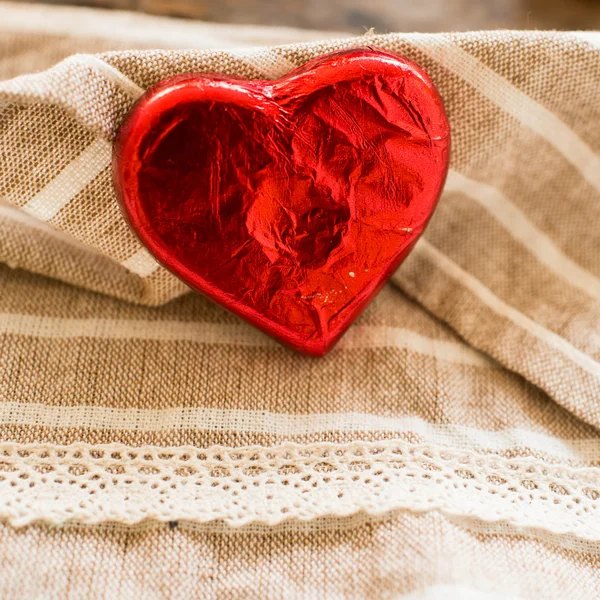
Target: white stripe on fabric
x: 516, y: 103
x: 265, y: 422
x: 489, y: 299
x: 456, y: 591
x: 525, y: 232
x: 231, y: 335
x: 503, y: 528
x: 109, y: 72
x: 141, y: 263
x: 71, y: 181
x: 81, y: 171
x: 590, y: 37
x: 18, y: 216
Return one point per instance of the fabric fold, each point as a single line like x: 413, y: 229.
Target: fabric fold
x: 510, y: 260
x: 124, y: 398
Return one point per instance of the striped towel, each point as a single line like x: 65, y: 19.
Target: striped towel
x: 153, y: 445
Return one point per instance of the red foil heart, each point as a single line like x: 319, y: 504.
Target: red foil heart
x: 289, y: 202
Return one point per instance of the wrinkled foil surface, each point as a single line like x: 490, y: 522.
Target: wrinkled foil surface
x: 289, y: 202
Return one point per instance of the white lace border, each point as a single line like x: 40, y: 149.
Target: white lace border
x: 91, y: 484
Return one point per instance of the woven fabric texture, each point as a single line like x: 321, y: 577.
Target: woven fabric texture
x: 153, y: 445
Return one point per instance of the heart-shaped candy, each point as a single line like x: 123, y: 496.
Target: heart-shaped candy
x: 289, y: 202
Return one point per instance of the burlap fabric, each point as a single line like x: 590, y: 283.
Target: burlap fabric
x: 155, y: 446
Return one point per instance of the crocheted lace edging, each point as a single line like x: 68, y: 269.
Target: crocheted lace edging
x: 115, y: 483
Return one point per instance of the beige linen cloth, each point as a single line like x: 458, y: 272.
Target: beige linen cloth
x: 155, y: 446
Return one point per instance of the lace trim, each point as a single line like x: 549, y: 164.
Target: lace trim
x: 89, y: 484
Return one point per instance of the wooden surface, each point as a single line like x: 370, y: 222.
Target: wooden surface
x: 383, y: 15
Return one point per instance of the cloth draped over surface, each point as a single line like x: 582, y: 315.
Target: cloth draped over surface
x: 449, y: 445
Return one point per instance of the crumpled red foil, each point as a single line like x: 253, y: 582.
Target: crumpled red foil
x: 289, y: 202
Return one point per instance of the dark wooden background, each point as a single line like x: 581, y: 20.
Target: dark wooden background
x: 383, y: 15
